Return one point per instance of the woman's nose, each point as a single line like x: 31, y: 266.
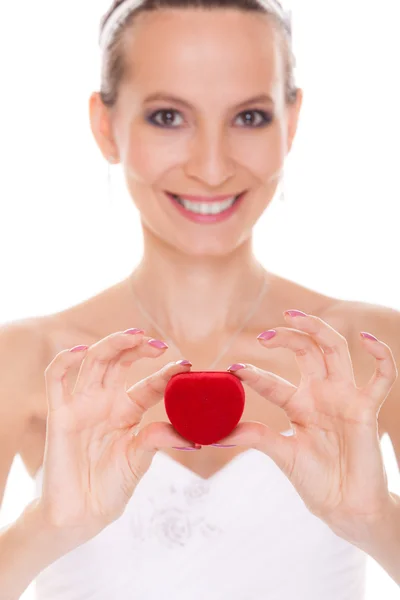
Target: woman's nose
x: 210, y: 160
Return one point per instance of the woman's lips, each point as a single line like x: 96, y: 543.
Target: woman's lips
x: 204, y: 219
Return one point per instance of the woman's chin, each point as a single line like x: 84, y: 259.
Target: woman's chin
x: 201, y: 238
x: 206, y: 245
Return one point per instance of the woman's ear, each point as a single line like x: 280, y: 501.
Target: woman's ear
x: 293, y: 118
x: 100, y: 124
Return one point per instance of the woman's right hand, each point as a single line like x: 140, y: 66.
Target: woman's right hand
x: 93, y: 460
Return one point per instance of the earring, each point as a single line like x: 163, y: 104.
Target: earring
x: 282, y: 196
x: 282, y: 186
x: 109, y: 163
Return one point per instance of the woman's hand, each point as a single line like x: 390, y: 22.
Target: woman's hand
x: 93, y: 459
x: 333, y: 459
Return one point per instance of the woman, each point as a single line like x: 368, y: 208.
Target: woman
x: 126, y: 507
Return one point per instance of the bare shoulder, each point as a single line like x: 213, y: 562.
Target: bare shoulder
x: 381, y: 321
x: 94, y: 318
x: 22, y: 343
x: 384, y: 323
x: 36, y: 341
x: 349, y: 318
x: 291, y: 295
x: 352, y: 317
x: 23, y: 351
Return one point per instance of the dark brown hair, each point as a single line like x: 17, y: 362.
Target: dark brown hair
x: 114, y: 66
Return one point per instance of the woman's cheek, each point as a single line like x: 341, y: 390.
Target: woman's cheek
x: 150, y: 160
x: 262, y: 153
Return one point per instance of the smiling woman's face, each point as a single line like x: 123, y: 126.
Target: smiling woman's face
x: 213, y: 141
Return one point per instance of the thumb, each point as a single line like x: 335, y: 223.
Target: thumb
x: 280, y: 448
x: 148, y: 441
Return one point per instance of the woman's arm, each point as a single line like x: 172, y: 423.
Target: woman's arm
x: 89, y: 475
x: 21, y: 347
x: 384, y: 546
x: 336, y: 433
x: 27, y: 547
x: 383, y: 541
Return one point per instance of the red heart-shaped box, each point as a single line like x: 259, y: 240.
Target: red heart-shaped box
x: 204, y: 407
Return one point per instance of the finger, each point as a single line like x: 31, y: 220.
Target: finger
x: 333, y: 344
x: 267, y: 384
x: 157, y: 436
x: 118, y: 368
x: 280, y: 448
x: 98, y: 357
x: 385, y: 373
x: 309, y: 355
x: 55, y: 375
x: 149, y: 391
x: 150, y: 439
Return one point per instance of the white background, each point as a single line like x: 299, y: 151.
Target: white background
x: 62, y: 241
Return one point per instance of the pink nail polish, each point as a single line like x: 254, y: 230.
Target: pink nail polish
x: 295, y: 313
x: 79, y: 348
x: 236, y: 367
x: 134, y: 331
x: 223, y: 446
x: 267, y: 335
x: 184, y: 363
x: 369, y: 336
x: 158, y: 344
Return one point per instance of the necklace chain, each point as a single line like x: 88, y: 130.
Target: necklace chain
x: 225, y: 349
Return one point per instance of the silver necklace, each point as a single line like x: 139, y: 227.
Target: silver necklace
x: 169, y: 341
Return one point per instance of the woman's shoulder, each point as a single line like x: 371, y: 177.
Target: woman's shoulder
x: 347, y: 316
x: 22, y: 344
x: 91, y: 319
x: 289, y: 295
x: 23, y: 350
x: 28, y: 345
x: 350, y: 317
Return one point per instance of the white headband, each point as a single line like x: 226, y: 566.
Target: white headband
x: 121, y: 13
x: 117, y: 18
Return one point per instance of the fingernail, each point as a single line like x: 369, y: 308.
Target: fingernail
x: 79, y: 348
x: 236, y: 367
x: 223, y: 446
x: 267, y: 335
x: 184, y: 363
x: 186, y: 449
x: 134, y: 331
x: 369, y: 336
x: 158, y: 344
x: 295, y: 313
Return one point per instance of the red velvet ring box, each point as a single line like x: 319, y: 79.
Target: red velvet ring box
x: 204, y: 407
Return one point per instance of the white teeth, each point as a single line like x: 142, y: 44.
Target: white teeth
x: 206, y: 208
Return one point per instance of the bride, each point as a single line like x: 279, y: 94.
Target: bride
x: 198, y: 104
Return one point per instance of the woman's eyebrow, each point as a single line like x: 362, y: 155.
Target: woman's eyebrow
x: 177, y: 100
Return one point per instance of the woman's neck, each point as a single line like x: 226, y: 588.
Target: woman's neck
x: 194, y: 298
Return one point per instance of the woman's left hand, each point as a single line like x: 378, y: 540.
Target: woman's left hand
x: 334, y: 459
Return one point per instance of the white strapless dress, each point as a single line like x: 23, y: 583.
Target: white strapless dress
x: 243, y: 534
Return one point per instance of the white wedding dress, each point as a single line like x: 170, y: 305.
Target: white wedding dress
x: 243, y: 534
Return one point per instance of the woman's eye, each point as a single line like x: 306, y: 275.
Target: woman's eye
x: 167, y: 113
x: 166, y: 119
x: 266, y: 118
